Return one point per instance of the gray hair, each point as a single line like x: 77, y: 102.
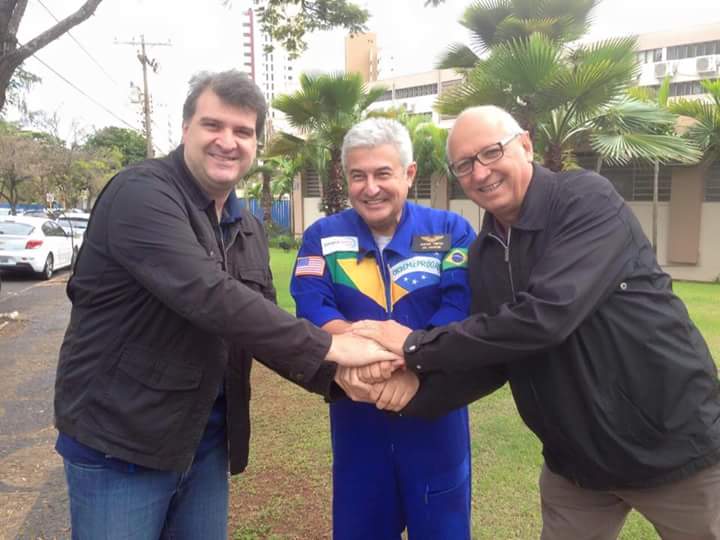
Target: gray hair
x: 373, y: 132
x: 233, y: 88
x: 491, y: 114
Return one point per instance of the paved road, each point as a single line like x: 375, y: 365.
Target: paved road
x: 33, y: 500
x: 14, y: 284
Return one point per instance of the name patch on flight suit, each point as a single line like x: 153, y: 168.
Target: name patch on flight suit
x: 434, y: 242
x: 333, y: 244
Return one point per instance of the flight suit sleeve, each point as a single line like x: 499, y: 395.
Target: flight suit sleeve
x: 311, y: 284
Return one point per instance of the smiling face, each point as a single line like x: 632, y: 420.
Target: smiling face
x: 499, y: 187
x: 220, y: 144
x: 378, y: 185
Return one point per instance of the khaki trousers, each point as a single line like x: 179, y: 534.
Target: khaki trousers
x: 685, y: 510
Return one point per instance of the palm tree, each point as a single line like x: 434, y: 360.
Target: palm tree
x: 492, y: 22
x: 567, y: 98
x: 428, y: 142
x: 323, y: 110
x: 277, y: 173
x: 705, y: 131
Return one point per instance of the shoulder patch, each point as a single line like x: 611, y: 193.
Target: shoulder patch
x: 333, y: 244
x: 310, y: 266
x: 456, y: 258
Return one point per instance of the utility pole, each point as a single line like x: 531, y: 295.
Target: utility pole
x: 145, y: 61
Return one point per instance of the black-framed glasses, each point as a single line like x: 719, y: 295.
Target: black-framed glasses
x: 486, y: 156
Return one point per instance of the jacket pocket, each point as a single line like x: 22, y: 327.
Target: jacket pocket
x: 255, y: 278
x: 147, y: 396
x: 633, y: 423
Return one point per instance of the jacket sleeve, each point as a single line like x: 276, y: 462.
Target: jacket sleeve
x: 314, y: 294
x: 150, y: 235
x: 454, y: 286
x: 590, y: 247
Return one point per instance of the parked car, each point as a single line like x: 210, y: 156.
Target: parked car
x: 34, y: 244
x: 74, y: 224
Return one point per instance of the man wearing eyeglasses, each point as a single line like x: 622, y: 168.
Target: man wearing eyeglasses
x: 571, y: 307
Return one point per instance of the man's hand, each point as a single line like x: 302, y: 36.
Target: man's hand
x: 355, y: 389
x: 377, y: 373
x: 395, y: 394
x: 389, y: 334
x: 350, y: 350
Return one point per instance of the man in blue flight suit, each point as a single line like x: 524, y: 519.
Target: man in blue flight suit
x: 383, y: 259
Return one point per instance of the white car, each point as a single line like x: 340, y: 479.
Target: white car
x: 35, y: 244
x: 74, y: 223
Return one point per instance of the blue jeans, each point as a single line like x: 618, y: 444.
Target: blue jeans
x: 148, y: 504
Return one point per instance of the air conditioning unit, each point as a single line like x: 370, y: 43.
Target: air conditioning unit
x: 664, y: 68
x: 706, y: 64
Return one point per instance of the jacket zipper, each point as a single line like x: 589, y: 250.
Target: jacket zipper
x: 385, y: 274
x: 506, y: 248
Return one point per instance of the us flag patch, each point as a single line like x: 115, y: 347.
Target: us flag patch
x: 310, y: 266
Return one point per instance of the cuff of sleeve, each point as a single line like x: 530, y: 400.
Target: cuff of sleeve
x: 323, y: 382
x: 321, y: 316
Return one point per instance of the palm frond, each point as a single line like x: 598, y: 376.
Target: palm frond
x: 457, y: 56
x: 619, y: 149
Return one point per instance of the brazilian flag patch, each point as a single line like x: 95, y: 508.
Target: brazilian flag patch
x: 456, y: 258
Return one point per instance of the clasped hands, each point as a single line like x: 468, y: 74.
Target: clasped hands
x: 385, y: 382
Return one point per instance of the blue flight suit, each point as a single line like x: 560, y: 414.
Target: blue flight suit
x: 391, y: 471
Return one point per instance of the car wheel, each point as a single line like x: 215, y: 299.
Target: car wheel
x: 47, y: 271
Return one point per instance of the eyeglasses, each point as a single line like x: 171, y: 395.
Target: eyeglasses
x: 486, y: 156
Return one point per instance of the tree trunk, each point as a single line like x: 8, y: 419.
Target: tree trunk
x: 334, y: 197
x: 553, y: 158
x: 266, y: 199
x: 598, y: 164
x: 656, y: 189
x: 11, y: 56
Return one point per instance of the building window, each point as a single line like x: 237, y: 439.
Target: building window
x: 421, y: 189
x: 712, y: 183
x: 687, y: 88
x: 635, y: 182
x: 387, y: 96
x: 456, y: 192
x: 416, y: 91
x: 692, y: 50
x: 310, y: 183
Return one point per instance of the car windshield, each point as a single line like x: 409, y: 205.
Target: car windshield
x: 77, y: 223
x: 18, y: 229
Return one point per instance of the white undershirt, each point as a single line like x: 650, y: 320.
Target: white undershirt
x: 381, y: 241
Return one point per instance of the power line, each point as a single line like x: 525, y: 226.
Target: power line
x: 80, y: 45
x: 88, y: 96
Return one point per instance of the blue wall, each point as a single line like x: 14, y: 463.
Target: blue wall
x: 280, y: 211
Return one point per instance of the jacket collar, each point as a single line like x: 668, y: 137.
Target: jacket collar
x: 534, y: 209
x: 198, y: 197
x: 401, y: 240
x: 233, y: 210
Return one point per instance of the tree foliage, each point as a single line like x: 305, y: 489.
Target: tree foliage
x: 13, y: 54
x: 288, y: 21
x: 705, y: 130
x: 566, y: 95
x: 128, y: 142
x: 493, y: 22
x: 33, y: 164
x: 323, y: 110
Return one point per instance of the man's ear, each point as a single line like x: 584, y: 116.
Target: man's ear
x: 184, y: 131
x: 527, y: 145
x: 410, y: 172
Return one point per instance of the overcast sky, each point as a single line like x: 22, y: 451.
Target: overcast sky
x: 205, y: 35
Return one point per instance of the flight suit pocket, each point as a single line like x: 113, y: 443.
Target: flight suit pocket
x: 448, y: 504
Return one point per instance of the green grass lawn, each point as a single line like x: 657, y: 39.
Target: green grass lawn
x: 285, y: 494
